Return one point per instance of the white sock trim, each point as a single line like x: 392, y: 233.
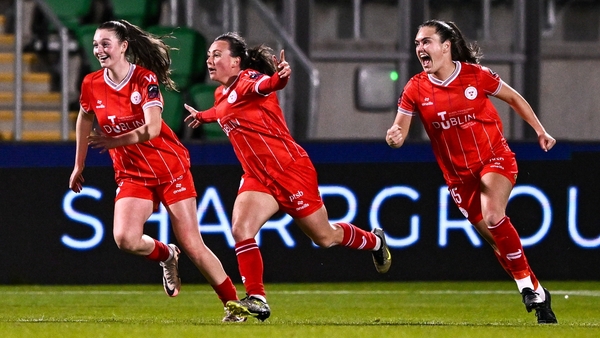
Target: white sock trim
x: 540, y: 291
x: 377, y: 243
x: 171, y: 253
x: 524, y: 283
x: 259, y: 297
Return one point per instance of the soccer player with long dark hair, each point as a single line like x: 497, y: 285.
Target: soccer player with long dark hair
x: 451, y: 96
x: 278, y: 174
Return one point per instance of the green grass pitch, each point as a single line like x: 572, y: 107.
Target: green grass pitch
x: 366, y: 310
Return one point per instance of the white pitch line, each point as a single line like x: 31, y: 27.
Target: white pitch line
x: 586, y: 293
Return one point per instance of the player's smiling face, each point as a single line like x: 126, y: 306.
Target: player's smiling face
x: 107, y: 48
x: 430, y: 50
x: 222, y: 67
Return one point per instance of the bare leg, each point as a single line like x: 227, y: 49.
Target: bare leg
x: 185, y: 226
x: 128, y: 228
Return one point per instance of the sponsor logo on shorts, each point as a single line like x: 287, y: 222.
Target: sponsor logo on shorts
x: 303, y: 206
x: 179, y: 188
x: 296, y: 196
x: 464, y: 212
x: 497, y: 162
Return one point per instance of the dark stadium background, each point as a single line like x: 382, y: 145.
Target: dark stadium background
x: 34, y: 181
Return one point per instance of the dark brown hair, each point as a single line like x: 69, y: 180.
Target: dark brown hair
x: 145, y: 49
x: 461, y: 51
x: 259, y: 58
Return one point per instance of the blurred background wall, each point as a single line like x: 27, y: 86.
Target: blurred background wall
x: 351, y: 59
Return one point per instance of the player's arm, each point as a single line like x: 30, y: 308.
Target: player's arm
x: 522, y: 107
x: 197, y: 118
x: 272, y: 84
x: 397, y: 133
x: 149, y: 130
x: 278, y: 80
x: 83, y: 128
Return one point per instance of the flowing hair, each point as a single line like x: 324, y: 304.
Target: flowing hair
x: 145, y: 49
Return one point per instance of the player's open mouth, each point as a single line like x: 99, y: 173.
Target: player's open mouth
x: 102, y: 58
x: 425, y: 60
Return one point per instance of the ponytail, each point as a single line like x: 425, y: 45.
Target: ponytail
x: 259, y: 58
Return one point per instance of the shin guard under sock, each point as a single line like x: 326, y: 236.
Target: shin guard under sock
x: 160, y: 253
x: 510, y: 248
x: 250, y: 265
x: 357, y: 238
x: 226, y: 291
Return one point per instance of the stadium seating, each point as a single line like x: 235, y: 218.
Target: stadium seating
x: 173, y: 109
x: 188, y: 61
x: 138, y: 12
x: 203, y: 97
x: 70, y: 12
x: 85, y: 36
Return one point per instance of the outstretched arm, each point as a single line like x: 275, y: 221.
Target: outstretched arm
x: 522, y: 107
x: 197, y: 118
x: 280, y: 79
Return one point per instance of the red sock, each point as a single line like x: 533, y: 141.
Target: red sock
x: 534, y: 280
x: 160, y: 253
x: 357, y: 238
x: 251, y: 268
x: 503, y: 263
x: 226, y: 291
x: 511, y: 251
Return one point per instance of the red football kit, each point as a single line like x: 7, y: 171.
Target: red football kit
x: 255, y: 125
x: 461, y: 121
x: 465, y: 129
x: 119, y: 108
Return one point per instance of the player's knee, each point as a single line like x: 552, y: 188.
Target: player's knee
x: 125, y: 243
x: 323, y: 241
x: 492, y: 218
x: 241, y: 232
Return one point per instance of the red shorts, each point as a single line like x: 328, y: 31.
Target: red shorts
x: 296, y: 189
x: 467, y: 195
x: 169, y: 193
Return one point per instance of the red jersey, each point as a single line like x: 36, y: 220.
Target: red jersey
x: 119, y: 108
x: 459, y: 118
x: 256, y: 127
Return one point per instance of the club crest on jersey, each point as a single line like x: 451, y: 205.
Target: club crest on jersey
x: 153, y: 91
x: 232, y: 97
x: 471, y: 93
x: 136, y: 97
x: 253, y: 75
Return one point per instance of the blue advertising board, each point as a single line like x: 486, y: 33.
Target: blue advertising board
x: 50, y: 235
